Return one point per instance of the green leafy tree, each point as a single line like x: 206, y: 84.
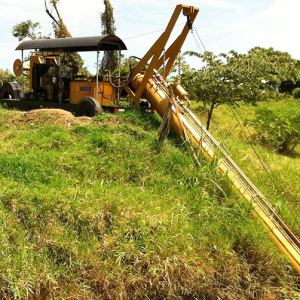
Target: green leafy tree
x: 261, y: 71
x: 185, y: 71
x: 251, y: 77
x: 213, y: 85
x: 289, y: 86
x: 61, y: 31
x: 26, y: 29
x: 125, y: 66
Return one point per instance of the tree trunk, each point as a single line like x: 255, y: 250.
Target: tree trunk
x: 58, y: 14
x: 210, y: 115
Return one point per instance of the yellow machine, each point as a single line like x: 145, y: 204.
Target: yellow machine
x: 53, y: 84
x: 57, y: 84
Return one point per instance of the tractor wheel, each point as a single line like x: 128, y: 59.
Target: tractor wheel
x: 89, y: 107
x: 11, y: 90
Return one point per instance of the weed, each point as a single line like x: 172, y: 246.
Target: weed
x: 278, y: 133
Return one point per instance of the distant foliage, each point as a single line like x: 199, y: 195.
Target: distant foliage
x: 186, y: 74
x: 26, y: 29
x: 7, y: 76
x: 289, y: 86
x: 275, y: 132
x: 126, y: 62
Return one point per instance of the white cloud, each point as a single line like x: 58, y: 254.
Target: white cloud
x: 283, y: 8
x: 220, y: 4
x: 283, y: 25
x: 274, y: 26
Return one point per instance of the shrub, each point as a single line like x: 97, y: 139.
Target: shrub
x: 296, y: 93
x: 275, y: 132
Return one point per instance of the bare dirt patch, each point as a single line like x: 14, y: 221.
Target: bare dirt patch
x: 51, y: 117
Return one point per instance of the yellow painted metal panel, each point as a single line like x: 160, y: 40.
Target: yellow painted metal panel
x: 81, y: 89
x: 34, y: 59
x: 107, y: 94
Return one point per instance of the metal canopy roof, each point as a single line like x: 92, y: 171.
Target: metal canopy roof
x: 78, y: 44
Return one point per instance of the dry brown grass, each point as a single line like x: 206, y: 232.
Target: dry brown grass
x: 49, y: 117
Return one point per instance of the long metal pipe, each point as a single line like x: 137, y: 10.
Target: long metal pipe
x: 159, y: 100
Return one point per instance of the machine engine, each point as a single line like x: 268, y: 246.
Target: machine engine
x: 49, y: 80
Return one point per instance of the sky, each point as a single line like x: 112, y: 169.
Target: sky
x: 222, y: 25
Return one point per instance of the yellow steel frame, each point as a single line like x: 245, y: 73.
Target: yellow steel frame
x: 157, y: 49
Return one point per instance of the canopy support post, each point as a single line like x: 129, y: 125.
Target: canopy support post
x: 97, y: 79
x: 23, y: 90
x: 119, y: 80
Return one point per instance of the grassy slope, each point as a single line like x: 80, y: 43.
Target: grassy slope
x: 282, y: 187
x: 101, y: 212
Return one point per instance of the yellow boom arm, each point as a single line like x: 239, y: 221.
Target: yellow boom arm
x: 156, y: 51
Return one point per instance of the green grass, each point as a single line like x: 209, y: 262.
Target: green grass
x: 280, y: 183
x: 103, y: 212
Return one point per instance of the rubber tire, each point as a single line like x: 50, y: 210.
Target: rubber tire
x: 89, y: 107
x: 11, y: 90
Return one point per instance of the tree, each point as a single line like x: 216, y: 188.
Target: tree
x: 110, y: 58
x: 61, y: 31
x: 126, y: 62
x: 289, y: 86
x: 26, y: 29
x: 213, y: 84
x: 251, y: 77
x: 185, y: 70
x: 59, y: 26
